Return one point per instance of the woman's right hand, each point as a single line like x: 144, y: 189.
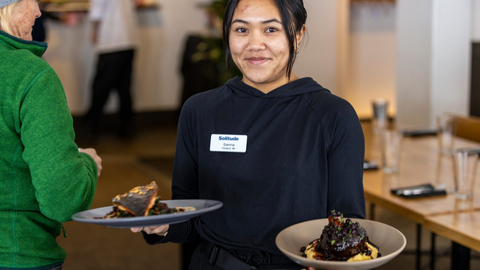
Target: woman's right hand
x: 162, y: 229
x: 96, y: 158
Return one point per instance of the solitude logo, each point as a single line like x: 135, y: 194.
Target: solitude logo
x: 227, y: 138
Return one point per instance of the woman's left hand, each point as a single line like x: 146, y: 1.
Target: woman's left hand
x: 162, y: 229
x: 96, y: 158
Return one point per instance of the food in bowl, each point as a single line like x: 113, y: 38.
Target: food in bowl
x: 341, y: 240
x: 141, y: 201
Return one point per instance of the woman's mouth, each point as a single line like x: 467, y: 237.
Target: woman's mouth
x: 256, y: 60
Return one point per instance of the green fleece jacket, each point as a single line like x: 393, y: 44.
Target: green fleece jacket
x: 44, y: 180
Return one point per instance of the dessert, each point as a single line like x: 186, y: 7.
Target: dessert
x: 341, y: 240
x: 141, y: 201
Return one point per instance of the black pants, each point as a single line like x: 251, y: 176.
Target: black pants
x: 199, y: 263
x: 114, y: 71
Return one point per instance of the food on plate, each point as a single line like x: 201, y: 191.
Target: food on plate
x: 138, y: 200
x: 341, y: 240
x: 141, y: 201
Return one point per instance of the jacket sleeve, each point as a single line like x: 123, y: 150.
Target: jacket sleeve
x: 64, y: 179
x: 345, y: 162
x: 97, y: 9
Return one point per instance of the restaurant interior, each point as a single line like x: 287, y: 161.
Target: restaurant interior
x: 420, y: 57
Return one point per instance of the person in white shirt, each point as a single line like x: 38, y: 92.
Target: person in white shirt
x: 114, y: 34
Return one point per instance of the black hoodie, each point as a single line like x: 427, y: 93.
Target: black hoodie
x: 304, y: 157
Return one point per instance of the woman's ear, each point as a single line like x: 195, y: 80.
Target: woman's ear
x: 300, y: 35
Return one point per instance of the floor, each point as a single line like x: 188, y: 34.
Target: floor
x: 147, y: 156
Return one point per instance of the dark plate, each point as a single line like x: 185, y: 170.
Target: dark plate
x: 201, y: 206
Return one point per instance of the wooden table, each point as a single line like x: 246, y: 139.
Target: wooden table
x: 421, y: 163
x: 461, y: 227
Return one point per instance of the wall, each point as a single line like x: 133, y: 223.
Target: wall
x: 318, y: 55
x: 156, y: 79
x: 475, y: 20
x: 451, y: 57
x: 414, y: 60
x: 71, y: 55
x: 433, y: 60
x: 372, y: 56
x: 351, y: 51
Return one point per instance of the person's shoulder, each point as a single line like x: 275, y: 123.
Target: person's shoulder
x: 207, y: 99
x: 26, y: 59
x: 326, y: 100
x: 25, y: 66
x: 201, y: 105
x: 330, y: 108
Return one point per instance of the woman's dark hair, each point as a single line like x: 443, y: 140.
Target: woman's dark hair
x: 293, y: 15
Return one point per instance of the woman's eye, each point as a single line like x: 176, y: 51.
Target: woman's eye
x: 241, y: 30
x: 271, y: 30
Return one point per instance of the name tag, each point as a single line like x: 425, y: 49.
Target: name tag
x: 228, y: 143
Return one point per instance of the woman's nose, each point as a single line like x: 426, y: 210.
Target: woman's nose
x: 38, y: 13
x: 256, y: 42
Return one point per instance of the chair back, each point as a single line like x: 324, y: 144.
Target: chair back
x: 468, y: 128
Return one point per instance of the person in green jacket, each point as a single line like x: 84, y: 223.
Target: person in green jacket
x: 44, y: 177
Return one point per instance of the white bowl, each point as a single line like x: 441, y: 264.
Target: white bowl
x: 390, y: 241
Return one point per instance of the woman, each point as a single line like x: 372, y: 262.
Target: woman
x: 43, y: 177
x: 298, y: 149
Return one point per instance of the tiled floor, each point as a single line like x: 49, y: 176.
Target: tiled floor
x: 101, y: 248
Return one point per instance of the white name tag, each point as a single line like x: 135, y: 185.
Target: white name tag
x: 228, y: 143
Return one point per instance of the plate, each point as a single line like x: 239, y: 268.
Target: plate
x: 201, y: 206
x: 390, y: 240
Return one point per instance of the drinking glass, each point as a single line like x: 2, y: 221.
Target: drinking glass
x: 391, y: 148
x: 446, y: 126
x: 380, y: 115
x: 465, y: 169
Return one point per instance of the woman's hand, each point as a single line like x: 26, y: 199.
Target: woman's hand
x: 96, y: 158
x: 162, y: 229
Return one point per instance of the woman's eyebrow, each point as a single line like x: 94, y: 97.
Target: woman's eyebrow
x: 239, y: 21
x: 264, y: 22
x: 272, y: 21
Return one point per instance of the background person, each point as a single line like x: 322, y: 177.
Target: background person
x: 114, y: 33
x: 44, y: 178
x: 302, y: 155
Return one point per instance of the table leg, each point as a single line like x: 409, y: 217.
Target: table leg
x: 418, y: 259
x: 460, y: 257
x: 432, y: 252
x: 372, y: 211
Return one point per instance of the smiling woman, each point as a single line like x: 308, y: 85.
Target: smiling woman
x: 261, y: 45
x: 299, y: 152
